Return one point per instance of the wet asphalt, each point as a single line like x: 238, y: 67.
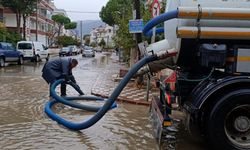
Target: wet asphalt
x: 25, y: 126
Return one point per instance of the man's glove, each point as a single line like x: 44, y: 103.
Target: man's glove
x: 66, y: 77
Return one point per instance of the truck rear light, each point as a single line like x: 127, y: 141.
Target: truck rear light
x: 167, y: 123
x: 168, y: 98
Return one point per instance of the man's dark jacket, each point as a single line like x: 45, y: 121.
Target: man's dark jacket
x: 56, y: 69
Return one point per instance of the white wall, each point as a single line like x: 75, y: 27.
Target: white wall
x: 41, y: 38
x: 10, y: 20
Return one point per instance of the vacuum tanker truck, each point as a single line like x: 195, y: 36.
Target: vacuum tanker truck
x: 211, y: 39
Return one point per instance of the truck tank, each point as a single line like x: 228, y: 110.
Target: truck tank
x: 204, y: 20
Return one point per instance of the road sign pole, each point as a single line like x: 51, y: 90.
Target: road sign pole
x: 138, y: 36
x: 155, y: 12
x: 153, y: 36
x: 156, y: 8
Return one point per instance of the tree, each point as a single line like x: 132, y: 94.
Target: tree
x: 14, y: 5
x: 28, y: 9
x: 86, y: 39
x: 61, y: 20
x: 102, y: 43
x: 93, y: 44
x: 107, y: 16
x: 119, y: 12
x: 71, y: 25
x: 113, y: 8
x: 66, y: 40
x: 20, y: 8
x: 8, y: 36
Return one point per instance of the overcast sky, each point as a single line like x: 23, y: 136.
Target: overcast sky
x: 81, y: 6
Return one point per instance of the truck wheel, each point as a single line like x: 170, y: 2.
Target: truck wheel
x: 228, y: 126
x: 2, y: 62
x: 20, y: 61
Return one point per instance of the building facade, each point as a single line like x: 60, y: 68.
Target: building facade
x: 39, y: 26
x: 106, y: 33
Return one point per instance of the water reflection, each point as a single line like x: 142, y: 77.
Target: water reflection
x: 24, y: 126
x: 29, y: 68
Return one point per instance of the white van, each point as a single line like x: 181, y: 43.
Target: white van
x: 35, y: 51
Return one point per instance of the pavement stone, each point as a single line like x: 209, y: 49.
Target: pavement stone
x: 105, y: 85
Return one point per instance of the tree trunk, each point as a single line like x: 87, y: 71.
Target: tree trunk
x: 18, y: 21
x: 51, y: 38
x: 59, y: 29
x: 24, y: 27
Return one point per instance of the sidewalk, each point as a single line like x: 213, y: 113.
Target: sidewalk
x: 105, y: 85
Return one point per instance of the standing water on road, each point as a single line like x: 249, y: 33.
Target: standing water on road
x: 24, y: 125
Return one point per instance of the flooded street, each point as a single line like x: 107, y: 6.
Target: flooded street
x: 25, y: 126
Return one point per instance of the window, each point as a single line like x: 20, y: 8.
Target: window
x: 24, y: 46
x: 3, y: 46
x: 10, y: 47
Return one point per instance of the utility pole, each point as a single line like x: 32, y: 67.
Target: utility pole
x: 37, y: 20
x: 138, y: 39
x: 138, y: 36
x: 81, y: 32
x: 134, y: 52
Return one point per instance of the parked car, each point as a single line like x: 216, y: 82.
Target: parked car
x: 98, y: 49
x: 88, y: 51
x: 74, y: 49
x: 65, y: 51
x: 79, y: 50
x: 34, y: 51
x: 9, y: 54
x: 82, y: 48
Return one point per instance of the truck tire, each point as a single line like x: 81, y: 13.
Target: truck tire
x: 2, y: 62
x: 20, y: 60
x: 228, y: 125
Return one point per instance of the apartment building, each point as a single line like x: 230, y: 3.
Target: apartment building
x: 39, y: 26
x: 103, y: 32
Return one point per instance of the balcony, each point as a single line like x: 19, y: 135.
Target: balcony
x: 48, y: 4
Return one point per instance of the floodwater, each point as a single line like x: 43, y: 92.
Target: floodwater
x: 25, y: 126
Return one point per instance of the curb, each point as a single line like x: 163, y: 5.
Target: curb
x: 125, y: 100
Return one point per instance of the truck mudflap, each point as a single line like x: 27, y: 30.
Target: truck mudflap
x: 163, y: 127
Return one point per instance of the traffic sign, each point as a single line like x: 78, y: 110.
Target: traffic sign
x: 171, y: 78
x: 136, y: 26
x: 156, y: 8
